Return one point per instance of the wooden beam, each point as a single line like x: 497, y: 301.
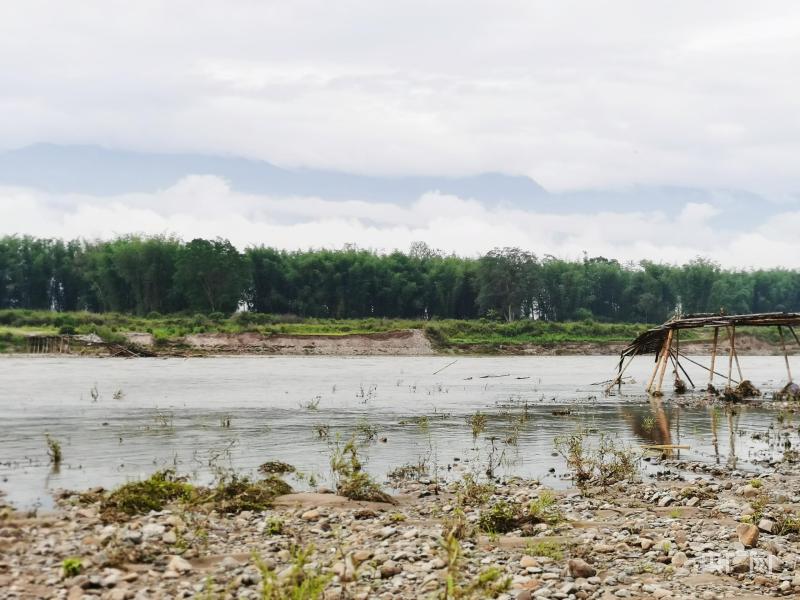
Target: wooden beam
x: 680, y: 366
x: 702, y: 366
x: 618, y: 378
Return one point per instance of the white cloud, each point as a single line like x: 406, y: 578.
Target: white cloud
x: 575, y: 93
x: 204, y: 206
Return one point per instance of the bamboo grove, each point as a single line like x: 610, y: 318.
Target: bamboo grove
x: 143, y: 275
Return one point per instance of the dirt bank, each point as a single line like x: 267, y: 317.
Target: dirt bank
x: 410, y: 342
x: 406, y: 342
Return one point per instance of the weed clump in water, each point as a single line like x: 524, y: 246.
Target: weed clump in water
x: 351, y: 481
x: 276, y: 467
x: 153, y: 493
x: 53, y: 450
x: 604, y: 464
x: 477, y: 422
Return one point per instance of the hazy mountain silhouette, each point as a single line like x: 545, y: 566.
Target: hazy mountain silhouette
x: 100, y: 171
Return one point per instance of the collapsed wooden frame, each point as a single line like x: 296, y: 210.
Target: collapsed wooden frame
x: 664, y: 342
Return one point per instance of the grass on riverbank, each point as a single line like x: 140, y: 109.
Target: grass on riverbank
x: 471, y: 336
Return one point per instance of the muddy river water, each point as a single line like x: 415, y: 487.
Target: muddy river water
x: 120, y: 419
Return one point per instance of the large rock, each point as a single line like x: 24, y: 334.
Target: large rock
x: 580, y: 568
x: 179, y: 565
x: 390, y: 569
x: 679, y: 559
x: 748, y: 534
x: 766, y: 525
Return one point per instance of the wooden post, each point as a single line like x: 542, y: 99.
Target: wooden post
x: 730, y: 354
x: 785, y: 356
x: 659, y: 363
x: 713, y: 356
x: 667, y: 350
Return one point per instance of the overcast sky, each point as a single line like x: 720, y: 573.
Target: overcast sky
x: 573, y: 94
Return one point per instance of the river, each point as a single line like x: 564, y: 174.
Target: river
x: 119, y: 419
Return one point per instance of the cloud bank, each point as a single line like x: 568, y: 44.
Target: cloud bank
x: 205, y: 206
x: 575, y: 94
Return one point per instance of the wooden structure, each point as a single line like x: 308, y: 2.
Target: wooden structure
x: 48, y: 344
x: 664, y: 342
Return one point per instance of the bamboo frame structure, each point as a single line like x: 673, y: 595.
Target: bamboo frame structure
x: 660, y: 340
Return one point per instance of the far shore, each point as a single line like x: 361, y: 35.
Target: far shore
x: 407, y: 342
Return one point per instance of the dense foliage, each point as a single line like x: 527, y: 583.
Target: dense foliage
x: 145, y: 275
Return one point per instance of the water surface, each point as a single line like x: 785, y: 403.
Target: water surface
x: 120, y: 419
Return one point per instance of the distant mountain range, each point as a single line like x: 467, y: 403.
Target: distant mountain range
x: 100, y: 171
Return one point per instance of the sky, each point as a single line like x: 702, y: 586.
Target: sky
x: 576, y: 95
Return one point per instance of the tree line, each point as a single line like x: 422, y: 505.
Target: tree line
x: 162, y: 274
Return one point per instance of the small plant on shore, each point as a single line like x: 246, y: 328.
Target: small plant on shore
x: 501, y: 517
x: 470, y: 492
x: 53, y: 450
x: 274, y: 526
x: 455, y: 525
x: 787, y: 523
x: 756, y: 483
x: 477, y: 423
x: 351, y: 481
x: 675, y: 513
x: 234, y: 494
x: 547, y: 548
x: 397, y: 517
x: 301, y: 582
x: 71, y: 566
x: 489, y: 583
x: 544, y: 509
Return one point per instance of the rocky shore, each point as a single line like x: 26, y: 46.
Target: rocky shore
x: 689, y: 531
